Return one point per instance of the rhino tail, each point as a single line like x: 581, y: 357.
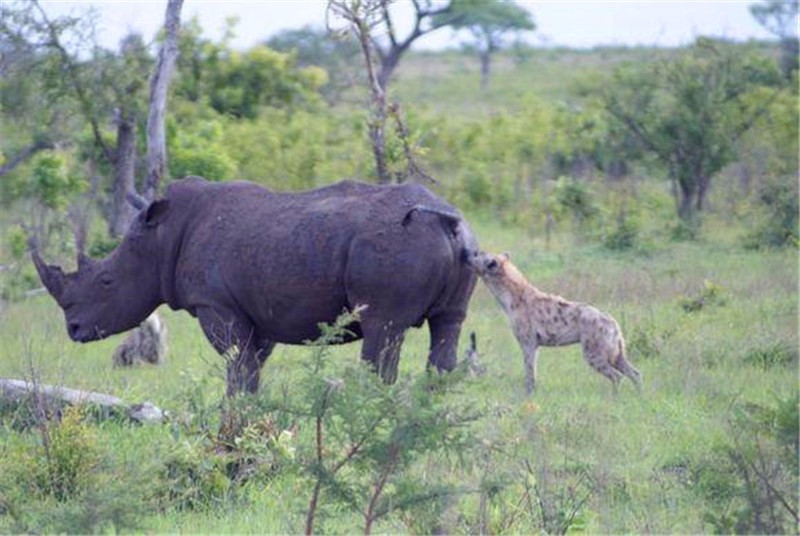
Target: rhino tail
x: 451, y: 217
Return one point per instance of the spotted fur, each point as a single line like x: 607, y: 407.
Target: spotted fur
x: 541, y: 319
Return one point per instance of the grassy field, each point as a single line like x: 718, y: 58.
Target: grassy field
x: 710, y: 445
x: 450, y: 81
x: 572, y: 457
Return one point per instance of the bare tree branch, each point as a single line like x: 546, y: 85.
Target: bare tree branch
x: 74, y: 78
x: 25, y: 154
x: 159, y: 84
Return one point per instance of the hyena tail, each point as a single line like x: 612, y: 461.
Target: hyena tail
x: 624, y: 366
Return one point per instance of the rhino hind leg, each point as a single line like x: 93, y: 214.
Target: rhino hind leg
x: 445, y: 330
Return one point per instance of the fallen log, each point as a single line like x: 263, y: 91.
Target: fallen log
x: 19, y: 391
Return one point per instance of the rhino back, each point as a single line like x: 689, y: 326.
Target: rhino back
x: 291, y: 260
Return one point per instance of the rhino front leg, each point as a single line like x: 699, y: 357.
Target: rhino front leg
x: 234, y: 338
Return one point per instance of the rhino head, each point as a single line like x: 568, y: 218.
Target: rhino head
x: 115, y: 294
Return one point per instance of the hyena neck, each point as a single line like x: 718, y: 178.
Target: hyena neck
x: 507, y: 292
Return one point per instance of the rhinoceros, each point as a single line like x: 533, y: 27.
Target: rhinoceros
x: 257, y: 268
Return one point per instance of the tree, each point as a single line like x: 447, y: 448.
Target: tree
x: 123, y: 75
x: 81, y: 80
x: 156, y: 137
x: 489, y: 21
x: 391, y: 48
x: 689, y: 112
x: 779, y: 17
x: 37, y: 107
x: 361, y: 17
x: 314, y: 47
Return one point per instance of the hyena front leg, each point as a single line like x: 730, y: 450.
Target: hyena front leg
x: 530, y: 350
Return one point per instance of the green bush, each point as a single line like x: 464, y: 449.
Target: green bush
x: 777, y: 354
x: 748, y: 481
x: 575, y: 198
x: 685, y: 230
x: 624, y: 236
x: 779, y: 201
x: 710, y: 295
x: 194, y: 476
x: 67, y: 456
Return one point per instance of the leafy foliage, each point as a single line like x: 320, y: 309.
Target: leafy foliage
x: 317, y: 48
x: 689, y: 110
x: 779, y: 201
x: 751, y: 480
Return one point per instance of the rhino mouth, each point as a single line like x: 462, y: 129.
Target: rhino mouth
x: 78, y: 334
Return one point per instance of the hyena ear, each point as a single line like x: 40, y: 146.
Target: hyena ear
x: 506, y: 256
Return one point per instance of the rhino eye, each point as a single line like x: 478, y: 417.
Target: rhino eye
x: 106, y: 280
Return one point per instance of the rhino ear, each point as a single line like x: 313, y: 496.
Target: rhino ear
x: 155, y: 213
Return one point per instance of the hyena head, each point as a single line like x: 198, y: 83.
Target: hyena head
x: 499, y: 274
x: 488, y: 265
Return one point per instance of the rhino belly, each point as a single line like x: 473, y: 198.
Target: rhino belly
x: 294, y: 317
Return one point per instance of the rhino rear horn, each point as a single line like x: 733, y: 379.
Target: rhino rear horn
x: 52, y: 276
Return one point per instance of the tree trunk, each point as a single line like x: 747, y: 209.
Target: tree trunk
x: 156, y: 138
x: 486, y: 60
x: 388, y: 64
x: 686, y: 206
x: 377, y: 123
x: 702, y: 190
x: 124, y: 175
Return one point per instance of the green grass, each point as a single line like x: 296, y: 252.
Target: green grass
x: 633, y: 455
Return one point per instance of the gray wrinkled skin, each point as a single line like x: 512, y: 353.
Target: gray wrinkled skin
x: 259, y: 268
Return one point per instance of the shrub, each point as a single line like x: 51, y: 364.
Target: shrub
x: 194, y: 476
x: 779, y: 200
x: 710, y: 295
x: 749, y: 480
x: 575, y: 197
x: 776, y: 354
x: 625, y: 234
x: 685, y: 230
x: 643, y: 343
x: 67, y: 456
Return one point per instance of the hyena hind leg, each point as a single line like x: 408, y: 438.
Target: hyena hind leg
x: 625, y: 367
x: 604, y: 367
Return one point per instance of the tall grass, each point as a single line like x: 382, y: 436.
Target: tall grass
x: 572, y: 457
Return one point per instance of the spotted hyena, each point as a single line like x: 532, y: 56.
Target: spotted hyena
x: 541, y: 319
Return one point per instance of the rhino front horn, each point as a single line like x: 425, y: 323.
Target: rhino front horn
x: 83, y: 260
x: 52, y: 276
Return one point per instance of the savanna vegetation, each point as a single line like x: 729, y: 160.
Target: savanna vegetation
x: 657, y: 184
